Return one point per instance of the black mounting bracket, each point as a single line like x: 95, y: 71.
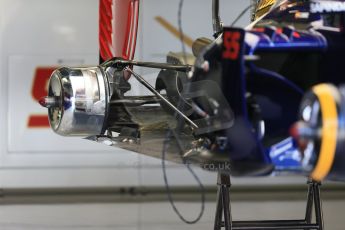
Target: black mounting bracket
x: 223, y: 210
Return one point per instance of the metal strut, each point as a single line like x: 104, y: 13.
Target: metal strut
x: 223, y: 210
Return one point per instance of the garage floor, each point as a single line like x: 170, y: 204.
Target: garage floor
x: 150, y: 216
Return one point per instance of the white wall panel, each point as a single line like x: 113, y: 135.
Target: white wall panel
x: 40, y: 33
x: 45, y: 33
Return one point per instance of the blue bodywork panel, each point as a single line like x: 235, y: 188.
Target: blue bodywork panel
x: 297, y: 49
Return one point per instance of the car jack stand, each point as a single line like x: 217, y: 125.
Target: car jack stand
x: 224, y: 210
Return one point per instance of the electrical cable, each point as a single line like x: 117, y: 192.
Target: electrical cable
x: 169, y: 135
x: 168, y: 189
x: 241, y: 14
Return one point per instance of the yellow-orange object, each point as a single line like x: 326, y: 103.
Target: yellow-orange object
x: 326, y: 95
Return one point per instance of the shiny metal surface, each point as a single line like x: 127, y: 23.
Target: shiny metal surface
x: 81, y: 106
x: 91, y: 103
x: 99, y: 104
x: 122, y: 63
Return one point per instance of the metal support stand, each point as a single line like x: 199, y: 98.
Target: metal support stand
x: 224, y: 210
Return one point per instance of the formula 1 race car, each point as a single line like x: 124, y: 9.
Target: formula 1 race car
x: 235, y: 104
x: 264, y: 99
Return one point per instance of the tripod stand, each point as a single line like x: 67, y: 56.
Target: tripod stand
x: 224, y: 210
